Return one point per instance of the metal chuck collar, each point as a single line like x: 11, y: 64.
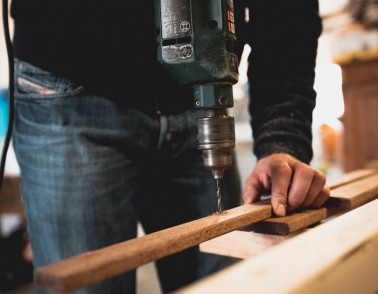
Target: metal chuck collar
x: 216, y: 139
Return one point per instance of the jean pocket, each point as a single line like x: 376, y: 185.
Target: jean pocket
x: 36, y: 83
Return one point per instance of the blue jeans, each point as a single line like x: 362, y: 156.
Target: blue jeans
x: 92, y: 168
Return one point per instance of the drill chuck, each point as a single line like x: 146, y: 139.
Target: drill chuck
x: 216, y: 139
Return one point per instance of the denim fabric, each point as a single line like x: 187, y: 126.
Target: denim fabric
x: 92, y: 168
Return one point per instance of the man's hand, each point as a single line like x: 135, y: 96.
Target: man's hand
x: 291, y: 183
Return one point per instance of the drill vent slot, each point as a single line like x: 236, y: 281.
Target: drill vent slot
x: 184, y: 40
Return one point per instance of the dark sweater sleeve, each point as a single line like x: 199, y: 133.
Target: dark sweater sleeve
x: 283, y: 36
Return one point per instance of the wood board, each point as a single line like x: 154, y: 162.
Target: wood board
x: 350, y: 177
x: 241, y: 244
x: 95, y: 266
x: 355, y: 194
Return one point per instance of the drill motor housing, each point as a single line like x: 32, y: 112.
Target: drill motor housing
x: 196, y: 40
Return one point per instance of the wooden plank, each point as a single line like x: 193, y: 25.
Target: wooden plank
x: 95, y: 266
x: 355, y: 194
x: 288, y: 224
x: 340, y: 256
x: 350, y: 177
x: 243, y: 244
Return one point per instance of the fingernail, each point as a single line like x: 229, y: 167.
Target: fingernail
x: 281, y: 210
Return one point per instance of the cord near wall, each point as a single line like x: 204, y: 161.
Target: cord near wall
x: 8, y: 135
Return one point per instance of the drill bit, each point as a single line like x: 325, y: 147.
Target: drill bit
x: 219, y: 196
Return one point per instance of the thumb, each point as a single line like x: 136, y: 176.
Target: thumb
x: 279, y: 204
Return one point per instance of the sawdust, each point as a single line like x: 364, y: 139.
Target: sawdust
x: 220, y: 213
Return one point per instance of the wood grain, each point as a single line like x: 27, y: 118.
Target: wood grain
x: 340, y: 256
x: 241, y: 244
x: 95, y: 266
x: 288, y: 224
x: 350, y: 177
x: 355, y: 194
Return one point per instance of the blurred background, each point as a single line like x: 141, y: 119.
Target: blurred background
x: 345, y: 135
x: 345, y: 128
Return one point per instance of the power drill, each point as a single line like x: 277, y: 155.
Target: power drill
x: 196, y: 40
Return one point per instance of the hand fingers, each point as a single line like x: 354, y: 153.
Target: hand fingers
x: 316, y: 187
x: 321, y: 198
x: 252, y: 189
x: 281, y: 176
x: 301, y: 185
x: 307, y: 188
x: 292, y: 184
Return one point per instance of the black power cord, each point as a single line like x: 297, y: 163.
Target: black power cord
x: 8, y: 135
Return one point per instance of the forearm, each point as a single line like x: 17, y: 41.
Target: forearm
x: 283, y: 37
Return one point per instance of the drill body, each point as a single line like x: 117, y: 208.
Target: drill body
x: 196, y: 40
